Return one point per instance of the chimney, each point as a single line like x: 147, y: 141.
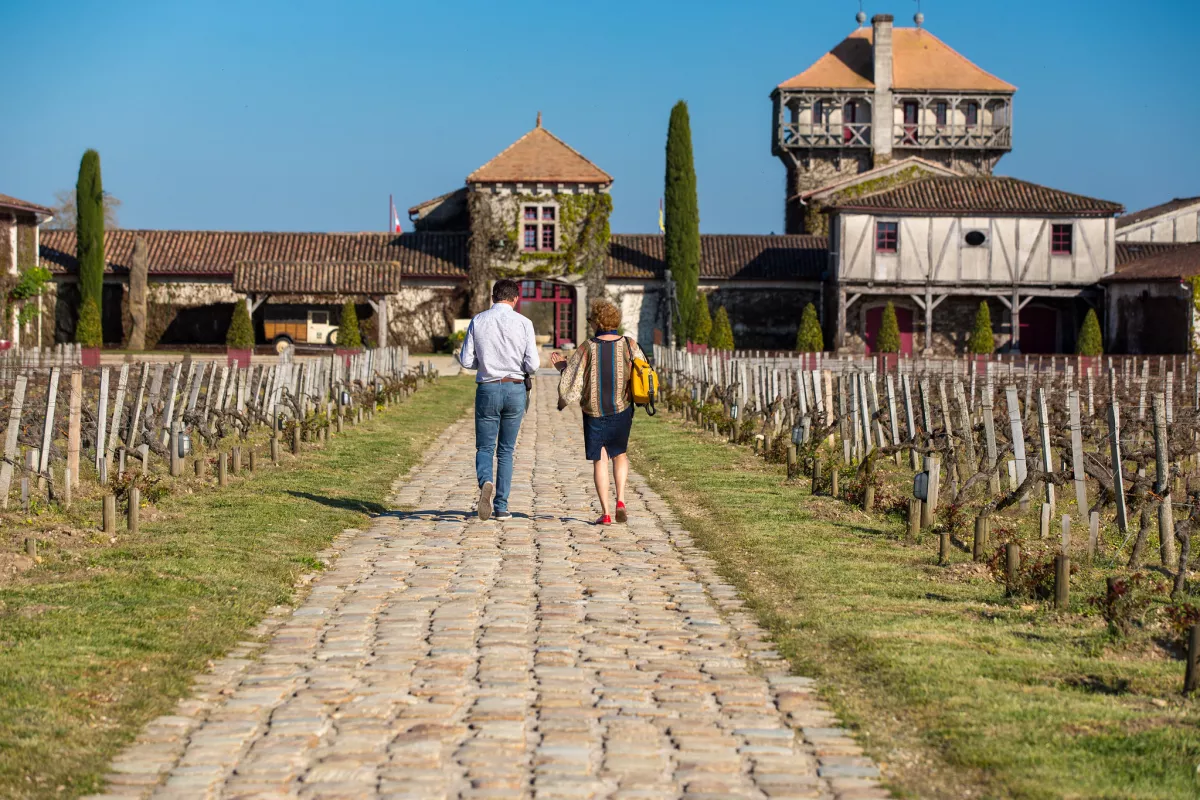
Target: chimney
x: 882, y: 115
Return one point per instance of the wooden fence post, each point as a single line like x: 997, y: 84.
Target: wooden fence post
x: 10, y: 438
x: 1114, y: 440
x: 1162, y: 483
x: 135, y: 500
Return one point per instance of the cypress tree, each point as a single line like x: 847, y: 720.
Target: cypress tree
x: 241, y: 331
x: 89, y: 231
x: 982, y: 341
x: 810, y: 339
x: 702, y: 329
x: 1090, y: 343
x: 348, y: 334
x: 721, y: 337
x: 888, y: 340
x: 681, y: 218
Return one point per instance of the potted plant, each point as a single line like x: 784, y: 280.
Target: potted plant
x: 88, y: 333
x: 349, y: 339
x: 239, y: 341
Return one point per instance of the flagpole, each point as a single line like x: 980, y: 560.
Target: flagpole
x: 391, y: 213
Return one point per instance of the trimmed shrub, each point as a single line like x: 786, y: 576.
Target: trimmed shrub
x: 349, y: 337
x: 1090, y: 342
x: 88, y: 330
x: 888, y: 340
x: 702, y: 329
x: 240, y: 335
x: 721, y: 337
x: 810, y: 339
x: 982, y: 341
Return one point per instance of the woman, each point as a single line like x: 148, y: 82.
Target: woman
x: 597, y: 377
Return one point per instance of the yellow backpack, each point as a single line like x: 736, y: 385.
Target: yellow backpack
x: 643, y: 381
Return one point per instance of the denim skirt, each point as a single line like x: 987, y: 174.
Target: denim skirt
x: 610, y: 433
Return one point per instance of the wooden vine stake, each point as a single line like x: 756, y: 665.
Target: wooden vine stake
x: 10, y: 438
x: 1114, y: 440
x: 1162, y: 483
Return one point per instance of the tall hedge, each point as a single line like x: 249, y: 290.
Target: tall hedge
x: 681, y: 213
x: 982, y: 341
x: 88, y: 330
x: 1091, y: 342
x: 888, y: 340
x: 810, y: 339
x: 89, y: 229
x: 721, y: 337
x: 241, y: 331
x: 702, y: 327
x: 348, y: 333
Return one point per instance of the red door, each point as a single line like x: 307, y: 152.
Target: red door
x: 1039, y: 330
x: 551, y: 308
x: 904, y: 321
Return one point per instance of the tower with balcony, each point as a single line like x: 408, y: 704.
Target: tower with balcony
x: 884, y: 95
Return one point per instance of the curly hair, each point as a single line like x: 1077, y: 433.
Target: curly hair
x: 605, y: 315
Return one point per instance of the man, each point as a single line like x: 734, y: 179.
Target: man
x: 500, y: 346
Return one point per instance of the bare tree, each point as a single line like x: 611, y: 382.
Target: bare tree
x: 64, y: 211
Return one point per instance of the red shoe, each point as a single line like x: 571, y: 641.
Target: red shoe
x: 605, y: 520
x: 622, y: 515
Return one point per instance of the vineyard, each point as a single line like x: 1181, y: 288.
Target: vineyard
x: 81, y: 444
x: 1073, y: 482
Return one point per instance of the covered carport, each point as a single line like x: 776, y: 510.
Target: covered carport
x: 320, y: 283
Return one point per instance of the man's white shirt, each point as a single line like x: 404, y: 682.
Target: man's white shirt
x: 499, y: 344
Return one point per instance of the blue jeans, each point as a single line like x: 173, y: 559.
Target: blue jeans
x: 499, y: 408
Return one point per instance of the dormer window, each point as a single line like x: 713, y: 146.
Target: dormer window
x: 539, y: 230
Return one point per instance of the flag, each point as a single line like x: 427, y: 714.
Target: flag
x: 662, y: 228
x: 395, y: 214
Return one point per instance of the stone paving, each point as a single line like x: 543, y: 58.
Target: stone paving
x: 543, y: 657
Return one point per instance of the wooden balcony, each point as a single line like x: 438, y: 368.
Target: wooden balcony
x: 951, y: 137
x: 825, y: 135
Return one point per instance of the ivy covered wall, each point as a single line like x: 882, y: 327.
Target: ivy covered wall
x: 495, y: 246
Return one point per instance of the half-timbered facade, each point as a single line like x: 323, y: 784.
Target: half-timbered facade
x: 886, y: 93
x: 20, y: 231
x: 1175, y: 221
x: 938, y: 246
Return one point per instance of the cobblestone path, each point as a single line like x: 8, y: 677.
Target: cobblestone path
x: 442, y: 657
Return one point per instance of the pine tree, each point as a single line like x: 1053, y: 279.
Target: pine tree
x: 1091, y: 342
x: 88, y: 330
x: 810, y: 339
x: 721, y: 337
x: 702, y: 329
x: 888, y: 340
x: 89, y: 231
x: 349, y: 337
x: 681, y: 217
x: 982, y: 341
x: 241, y: 331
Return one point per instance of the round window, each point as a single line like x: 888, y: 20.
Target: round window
x: 975, y: 238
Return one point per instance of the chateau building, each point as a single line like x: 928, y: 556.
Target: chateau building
x: 889, y: 143
x: 20, y: 229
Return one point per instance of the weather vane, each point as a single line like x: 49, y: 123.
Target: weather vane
x: 861, y: 16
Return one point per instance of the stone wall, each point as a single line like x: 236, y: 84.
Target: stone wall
x: 640, y: 304
x: 762, y: 317
x: 423, y: 313
x: 820, y: 171
x: 1150, y: 317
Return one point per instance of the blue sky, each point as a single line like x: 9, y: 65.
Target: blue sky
x: 271, y: 115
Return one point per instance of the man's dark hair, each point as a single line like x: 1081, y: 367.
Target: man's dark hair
x: 505, y: 291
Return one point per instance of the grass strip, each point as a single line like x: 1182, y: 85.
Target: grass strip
x: 95, y: 643
x: 956, y: 690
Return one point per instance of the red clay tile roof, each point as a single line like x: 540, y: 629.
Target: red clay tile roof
x: 920, y: 61
x: 326, y: 277
x: 1129, y: 252
x: 214, y: 253
x: 7, y: 201
x: 980, y: 195
x: 539, y: 157
x: 1135, y: 217
x: 1155, y: 261
x: 742, y: 257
